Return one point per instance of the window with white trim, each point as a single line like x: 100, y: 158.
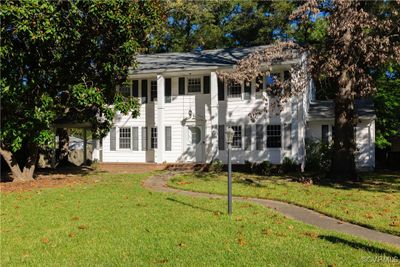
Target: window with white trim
x: 237, y: 137
x: 234, y: 89
x: 125, y: 138
x: 154, y: 137
x: 274, y: 139
x: 194, y: 85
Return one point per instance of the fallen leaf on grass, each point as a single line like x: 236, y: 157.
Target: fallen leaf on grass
x: 181, y: 244
x: 82, y: 227
x: 266, y: 231
x: 290, y: 227
x: 238, y: 219
x: 241, y: 241
x: 313, y: 235
x: 45, y: 240
x: 369, y: 216
x: 75, y: 218
x: 217, y: 213
x: 395, y: 224
x: 183, y: 183
x: 162, y: 261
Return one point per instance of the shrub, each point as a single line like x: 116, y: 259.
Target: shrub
x: 263, y: 168
x: 249, y: 166
x: 216, y: 166
x: 289, y: 165
x: 318, y: 157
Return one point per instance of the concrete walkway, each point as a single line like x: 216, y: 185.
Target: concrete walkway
x: 158, y: 183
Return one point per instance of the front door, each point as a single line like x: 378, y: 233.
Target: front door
x: 195, y: 144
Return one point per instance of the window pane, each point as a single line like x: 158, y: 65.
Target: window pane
x: 274, y: 136
x: 153, y: 137
x: 144, y: 91
x: 144, y: 138
x: 234, y: 89
x: 194, y: 85
x: 124, y: 137
x: 135, y: 138
x: 237, y: 137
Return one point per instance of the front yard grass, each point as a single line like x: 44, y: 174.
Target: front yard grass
x: 114, y: 221
x: 374, y: 203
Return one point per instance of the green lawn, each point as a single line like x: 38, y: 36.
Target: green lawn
x: 374, y: 203
x: 115, y: 222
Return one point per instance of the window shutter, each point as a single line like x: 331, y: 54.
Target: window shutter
x: 113, y: 139
x: 259, y: 136
x: 182, y: 85
x: 206, y: 82
x: 168, y: 137
x: 221, y: 90
x: 247, y: 90
x: 135, y: 88
x: 247, y: 135
x: 221, y: 137
x: 144, y: 138
x: 168, y: 90
x: 287, y: 136
x: 135, y: 138
x: 144, y: 91
x: 324, y: 133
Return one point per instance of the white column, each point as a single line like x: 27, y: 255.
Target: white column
x: 160, y: 119
x: 214, y: 117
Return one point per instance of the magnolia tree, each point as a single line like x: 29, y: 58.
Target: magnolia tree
x: 357, y: 40
x: 61, y: 61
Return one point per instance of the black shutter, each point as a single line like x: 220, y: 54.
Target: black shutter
x: 259, y: 137
x: 144, y: 138
x: 168, y: 138
x: 168, y: 90
x: 181, y: 85
x: 113, y: 139
x: 144, y: 91
x: 247, y: 134
x: 221, y: 90
x: 247, y: 90
x: 287, y: 136
x: 325, y: 133
x: 221, y: 137
x: 206, y: 82
x: 135, y: 88
x: 135, y: 138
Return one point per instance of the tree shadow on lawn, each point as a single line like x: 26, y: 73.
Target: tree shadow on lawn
x: 357, y: 245
x: 191, y: 205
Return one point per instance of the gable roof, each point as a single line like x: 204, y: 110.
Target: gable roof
x: 206, y: 59
x: 320, y: 110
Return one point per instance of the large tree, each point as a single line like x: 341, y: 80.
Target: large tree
x: 360, y: 38
x: 61, y: 61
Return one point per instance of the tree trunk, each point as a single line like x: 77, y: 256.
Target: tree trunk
x: 343, y: 161
x: 27, y: 173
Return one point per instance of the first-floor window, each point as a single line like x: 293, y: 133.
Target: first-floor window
x: 124, y: 137
x: 237, y: 137
x: 194, y: 85
x: 234, y: 89
x: 274, y: 136
x: 154, y: 137
x: 144, y: 138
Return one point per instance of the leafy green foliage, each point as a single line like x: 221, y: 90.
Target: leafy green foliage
x: 318, y: 157
x: 62, y: 60
x: 387, y: 106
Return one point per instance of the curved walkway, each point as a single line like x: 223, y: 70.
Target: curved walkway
x: 158, y: 183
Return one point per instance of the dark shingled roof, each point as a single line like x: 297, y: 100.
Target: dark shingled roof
x: 325, y: 109
x: 205, y: 59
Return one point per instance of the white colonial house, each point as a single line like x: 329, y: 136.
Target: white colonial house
x: 185, y: 111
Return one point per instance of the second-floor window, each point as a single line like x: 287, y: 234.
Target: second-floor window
x: 234, y: 89
x: 194, y: 85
